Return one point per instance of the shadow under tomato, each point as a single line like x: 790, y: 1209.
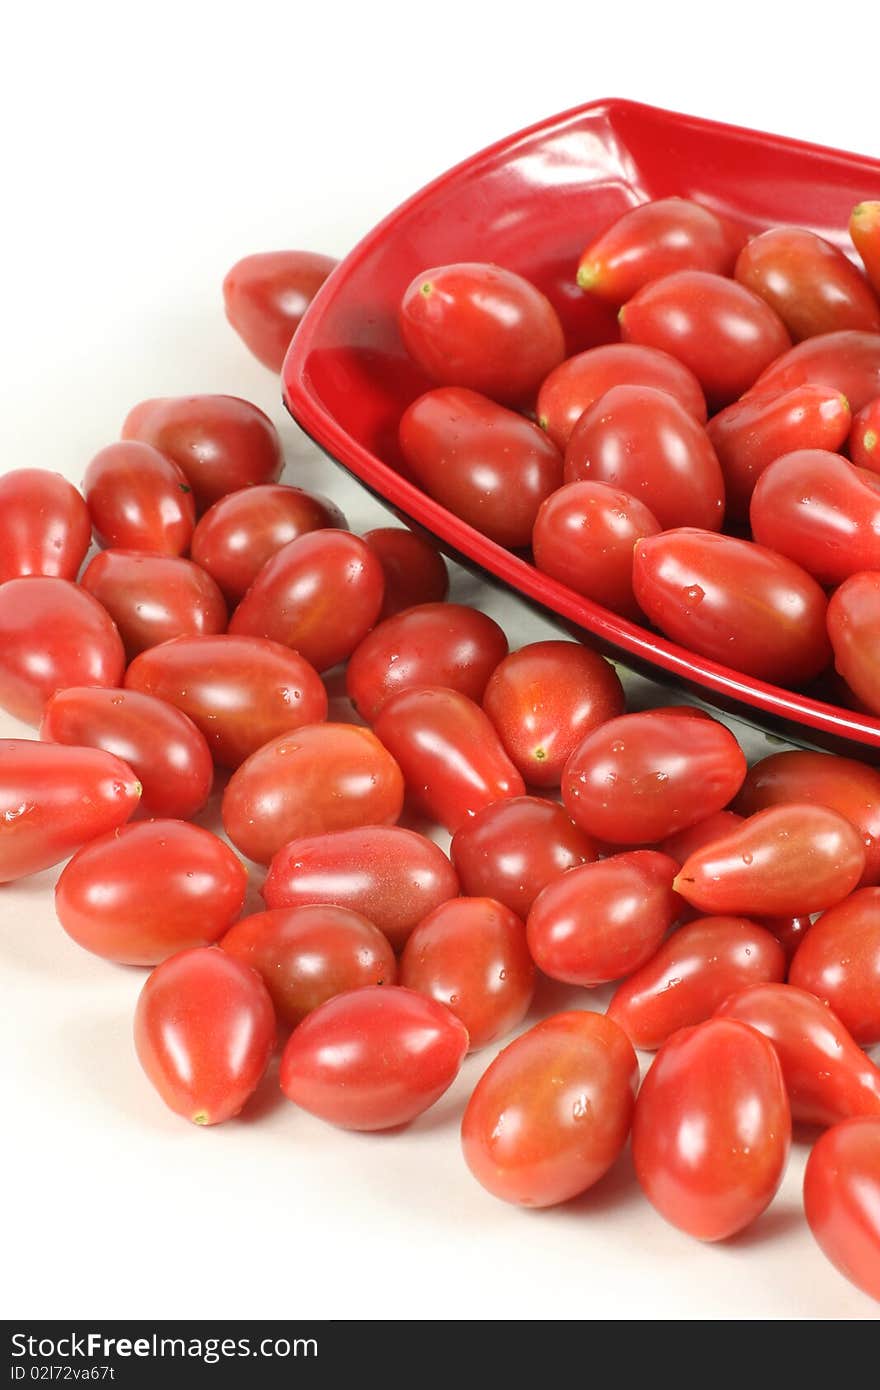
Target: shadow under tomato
x: 616, y: 1190
x: 267, y: 1098
x: 771, y: 1225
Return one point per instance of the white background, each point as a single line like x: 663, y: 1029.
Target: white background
x: 145, y: 149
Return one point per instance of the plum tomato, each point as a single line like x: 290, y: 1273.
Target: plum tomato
x: 552, y: 1113
x: 490, y: 466
x: 54, y: 799
x: 140, y: 893
x: 579, y: 381
x: 471, y: 955
x: 514, y: 848
x: 316, y: 778
x: 845, y: 785
x: 644, y: 442
x: 827, y: 1075
x: 152, y: 598
x: 53, y: 635
x: 788, y: 861
x: 481, y: 327
x: 139, y: 500
x: 734, y: 602
x: 242, y: 531
x: 842, y: 1199
x: 814, y: 507
x: 603, y: 920
x: 373, y: 1058
x: 431, y: 644
x: 691, y: 974
x: 163, y: 747
x: 45, y: 527
x: 811, y: 284
x: 864, y: 437
x: 847, y: 361
x: 545, y: 698
x: 452, y: 759
x: 640, y: 778
x: 204, y: 1030
x: 415, y: 571
x: 220, y: 443
x: 723, y: 332
x: 839, y: 961
x: 853, y: 618
x: 392, y: 876
x: 306, y: 955
x: 712, y: 1129
x: 584, y: 538
x: 240, y: 692
x: 751, y: 433
x: 265, y: 296
x: 320, y: 595
x: 655, y: 239
x: 864, y: 229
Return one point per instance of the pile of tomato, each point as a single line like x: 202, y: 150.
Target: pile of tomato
x: 735, y: 910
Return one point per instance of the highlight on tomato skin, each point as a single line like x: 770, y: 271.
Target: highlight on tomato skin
x: 139, y: 500
x: 154, y: 598
x: 45, y: 528
x: 811, y: 284
x: 842, y: 1200
x: 265, y: 296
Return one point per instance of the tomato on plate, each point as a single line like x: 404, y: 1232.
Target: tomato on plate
x: 848, y: 361
x: 842, y: 1200
x: 415, y: 571
x: 853, y: 616
x: 864, y: 229
x: 815, y: 508
x: 139, y: 500
x: 654, y: 239
x: 153, y: 598
x: 811, y: 284
x: 44, y: 525
x: 265, y: 296
x: 839, y: 961
x: 373, y: 1058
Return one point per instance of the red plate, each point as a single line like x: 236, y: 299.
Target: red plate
x: 531, y: 203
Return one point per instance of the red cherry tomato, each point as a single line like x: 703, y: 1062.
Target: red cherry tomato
x: 839, y: 961
x: 489, y: 465
x: 693, y: 972
x: 240, y: 692
x: 44, y: 525
x: 737, y: 603
x: 107, y: 899
x: 221, y: 443
x: 578, y: 382
x: 240, y: 533
x: 751, y: 433
x: 266, y: 295
x: 641, y: 777
x: 515, y: 847
x: 204, y: 1029
x: 164, y: 749
x: 712, y: 1129
x: 546, y: 697
x: 584, y: 537
x: 643, y: 441
x: 392, y: 876
x: 152, y: 598
x: 848, y: 362
x: 307, y: 955
x: 54, y: 799
x: 471, y: 955
x: 656, y: 239
x: 864, y: 228
x: 450, y: 755
x: 317, y: 778
x: 481, y: 327
x: 814, y: 507
x: 320, y: 595
x: 849, y: 787
x: 415, y: 571
x: 864, y: 438
x: 827, y: 1075
x: 811, y: 284
x: 723, y: 332
x: 842, y: 1200
x: 139, y: 500
x: 553, y: 1111
x: 52, y: 635
x: 602, y: 921
x: 853, y: 618
x: 431, y: 644
x: 373, y: 1058
x: 787, y: 861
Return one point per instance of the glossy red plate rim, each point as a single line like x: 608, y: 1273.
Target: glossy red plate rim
x: 646, y: 648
